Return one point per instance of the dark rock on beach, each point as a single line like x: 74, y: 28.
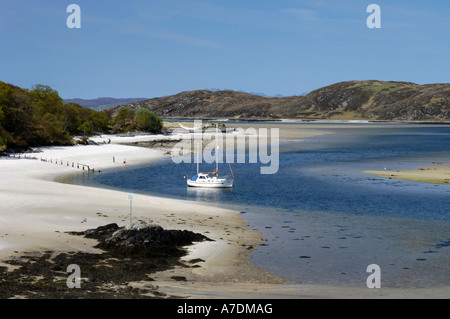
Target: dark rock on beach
x: 140, y: 239
x: 130, y: 254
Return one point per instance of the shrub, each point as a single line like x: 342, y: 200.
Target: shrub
x: 147, y: 121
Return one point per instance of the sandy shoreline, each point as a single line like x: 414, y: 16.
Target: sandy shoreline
x: 37, y: 211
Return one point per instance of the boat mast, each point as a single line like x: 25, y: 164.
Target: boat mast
x: 217, y: 149
x: 198, y: 156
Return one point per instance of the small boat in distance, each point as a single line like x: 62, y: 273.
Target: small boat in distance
x: 191, y: 129
x: 210, y: 179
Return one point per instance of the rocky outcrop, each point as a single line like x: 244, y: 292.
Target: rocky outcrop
x: 142, y: 239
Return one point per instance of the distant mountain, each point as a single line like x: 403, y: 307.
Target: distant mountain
x: 371, y: 100
x: 253, y: 93
x: 102, y: 103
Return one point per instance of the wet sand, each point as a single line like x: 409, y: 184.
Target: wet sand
x: 287, y: 132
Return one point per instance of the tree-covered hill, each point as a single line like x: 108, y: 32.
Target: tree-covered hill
x: 39, y: 117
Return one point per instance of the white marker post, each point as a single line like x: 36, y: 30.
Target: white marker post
x: 130, y: 198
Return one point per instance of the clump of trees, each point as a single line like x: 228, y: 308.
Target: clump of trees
x: 39, y: 117
x: 142, y: 120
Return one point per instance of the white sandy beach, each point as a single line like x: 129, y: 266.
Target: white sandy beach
x: 36, y: 212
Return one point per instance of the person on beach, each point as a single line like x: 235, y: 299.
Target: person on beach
x: 114, y: 159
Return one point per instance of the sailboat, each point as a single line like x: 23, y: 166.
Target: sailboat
x: 210, y: 179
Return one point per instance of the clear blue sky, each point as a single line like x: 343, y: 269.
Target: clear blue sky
x: 154, y: 48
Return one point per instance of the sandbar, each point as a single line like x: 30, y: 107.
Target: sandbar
x: 434, y: 174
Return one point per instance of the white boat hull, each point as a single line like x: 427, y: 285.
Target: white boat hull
x: 211, y: 183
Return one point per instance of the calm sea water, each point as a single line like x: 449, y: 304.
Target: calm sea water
x: 322, y: 219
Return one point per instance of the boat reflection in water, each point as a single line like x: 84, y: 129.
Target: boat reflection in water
x: 210, y: 195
